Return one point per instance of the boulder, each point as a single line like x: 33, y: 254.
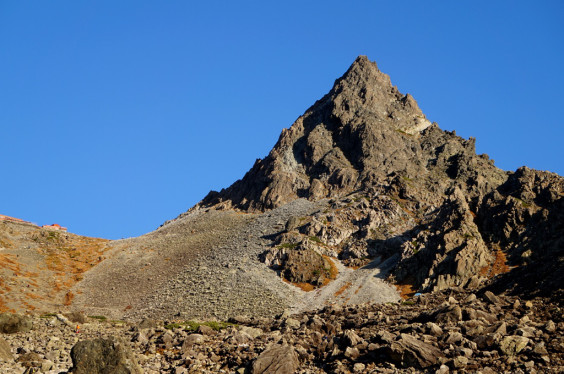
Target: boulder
x: 103, y: 356
x: 76, y: 317
x: 147, y: 324
x: 277, y: 359
x: 13, y: 323
x: 31, y: 360
x: 512, y: 345
x: 5, y: 351
x: 450, y: 314
x: 205, y: 330
x: 412, y: 352
x: 191, y: 340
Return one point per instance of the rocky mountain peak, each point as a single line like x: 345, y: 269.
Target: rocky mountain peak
x: 393, y: 186
x: 353, y: 138
x: 365, y: 91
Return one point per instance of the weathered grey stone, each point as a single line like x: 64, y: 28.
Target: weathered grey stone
x: 31, y: 359
x: 292, y: 323
x: 13, y: 323
x: 409, y: 351
x: 449, y: 314
x: 443, y: 369
x: 205, y: 330
x: 460, y: 362
x: 254, y: 332
x: 277, y: 359
x: 512, y: 345
x: 191, y: 340
x: 292, y: 223
x: 352, y: 353
x: 434, y: 329
x: 550, y: 326
x: 352, y: 338
x: 76, y: 317
x: 147, y: 324
x: 359, y: 367
x: 5, y: 351
x: 103, y: 356
x: 454, y: 337
x: 488, y: 295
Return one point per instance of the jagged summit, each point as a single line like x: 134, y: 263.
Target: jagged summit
x: 365, y: 89
x: 353, y: 138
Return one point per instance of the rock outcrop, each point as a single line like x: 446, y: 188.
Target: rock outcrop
x: 14, y: 323
x: 396, y: 184
x: 99, y: 356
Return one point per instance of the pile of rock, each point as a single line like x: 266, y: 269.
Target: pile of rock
x: 449, y: 331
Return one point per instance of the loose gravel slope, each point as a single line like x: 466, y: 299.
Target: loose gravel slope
x: 205, y: 265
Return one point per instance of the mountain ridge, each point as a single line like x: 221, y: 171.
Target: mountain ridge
x: 366, y: 139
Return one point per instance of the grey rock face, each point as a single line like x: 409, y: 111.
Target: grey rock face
x: 103, y: 356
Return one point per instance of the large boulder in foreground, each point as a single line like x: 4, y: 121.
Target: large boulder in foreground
x: 278, y: 359
x: 14, y: 323
x: 410, y: 351
x: 103, y: 356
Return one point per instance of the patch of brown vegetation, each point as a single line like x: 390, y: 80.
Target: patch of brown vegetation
x: 29, y: 306
x: 6, y: 243
x: 303, y: 286
x: 331, y: 273
x: 406, y: 288
x: 47, y: 261
x: 33, y: 296
x: 498, y: 266
x: 68, y: 298
x: 343, y: 288
x: 69, y: 256
x: 9, y: 262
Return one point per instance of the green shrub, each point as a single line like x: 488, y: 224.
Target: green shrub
x: 99, y: 318
x: 315, y: 239
x: 193, y: 325
x: 48, y: 315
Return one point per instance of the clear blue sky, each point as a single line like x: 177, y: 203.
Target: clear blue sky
x: 118, y: 115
